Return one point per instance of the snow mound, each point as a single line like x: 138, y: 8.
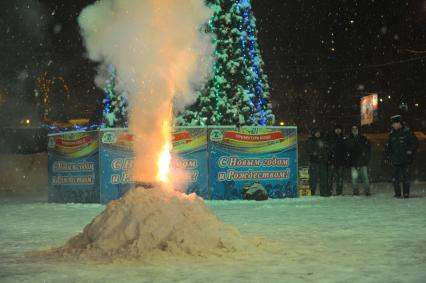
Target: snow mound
x: 154, y: 222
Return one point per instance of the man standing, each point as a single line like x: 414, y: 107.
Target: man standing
x: 399, y: 151
x: 317, y: 148
x: 359, y: 152
x: 336, y: 159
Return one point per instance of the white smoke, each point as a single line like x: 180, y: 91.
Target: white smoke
x: 159, y: 52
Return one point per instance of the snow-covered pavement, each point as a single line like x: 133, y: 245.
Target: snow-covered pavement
x: 309, y: 239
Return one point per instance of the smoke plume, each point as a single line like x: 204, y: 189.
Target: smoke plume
x: 160, y: 53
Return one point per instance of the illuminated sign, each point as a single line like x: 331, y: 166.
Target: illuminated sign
x: 369, y: 109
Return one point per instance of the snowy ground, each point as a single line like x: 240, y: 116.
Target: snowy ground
x: 313, y: 239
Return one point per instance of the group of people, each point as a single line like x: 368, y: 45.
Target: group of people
x: 330, y: 155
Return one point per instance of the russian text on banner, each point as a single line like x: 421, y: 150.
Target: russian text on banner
x: 190, y: 155
x: 116, y: 163
x: 73, y: 167
x: 247, y: 156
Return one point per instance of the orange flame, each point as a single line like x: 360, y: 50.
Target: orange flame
x: 165, y: 156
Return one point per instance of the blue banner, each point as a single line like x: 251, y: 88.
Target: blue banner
x: 190, y: 145
x: 220, y: 162
x: 240, y: 158
x: 116, y: 162
x: 73, y: 167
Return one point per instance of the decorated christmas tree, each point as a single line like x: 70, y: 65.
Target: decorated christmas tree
x: 115, y: 104
x: 238, y: 91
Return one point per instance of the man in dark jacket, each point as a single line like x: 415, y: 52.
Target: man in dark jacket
x: 317, y: 149
x: 337, y: 159
x: 399, y: 150
x: 359, y: 152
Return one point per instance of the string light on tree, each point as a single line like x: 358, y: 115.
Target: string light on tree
x: 114, y: 104
x: 238, y: 92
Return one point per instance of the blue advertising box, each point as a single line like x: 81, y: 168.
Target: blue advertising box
x: 221, y: 162
x: 116, y: 162
x: 247, y: 156
x: 73, y: 167
x: 190, y: 147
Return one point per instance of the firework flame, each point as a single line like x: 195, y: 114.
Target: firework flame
x: 165, y: 158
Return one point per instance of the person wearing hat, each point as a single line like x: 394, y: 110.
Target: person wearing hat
x: 336, y: 160
x: 358, y: 153
x: 317, y: 149
x: 399, y: 151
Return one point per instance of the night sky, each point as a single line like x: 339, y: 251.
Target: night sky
x: 321, y: 57
x: 337, y: 51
